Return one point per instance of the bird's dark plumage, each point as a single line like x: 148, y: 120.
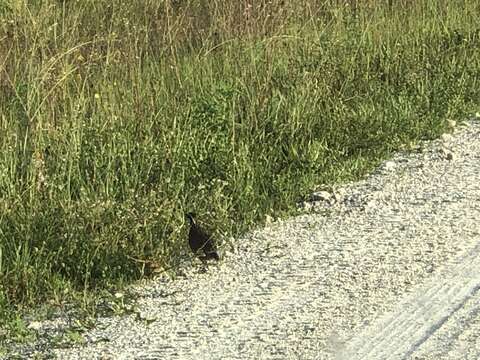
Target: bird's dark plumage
x: 198, y: 240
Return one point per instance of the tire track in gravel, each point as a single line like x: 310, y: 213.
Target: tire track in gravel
x: 404, y: 331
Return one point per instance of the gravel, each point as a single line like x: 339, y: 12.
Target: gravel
x: 380, y: 269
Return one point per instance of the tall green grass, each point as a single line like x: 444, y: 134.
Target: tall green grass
x: 117, y: 117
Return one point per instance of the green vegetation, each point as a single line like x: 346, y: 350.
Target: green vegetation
x: 117, y: 117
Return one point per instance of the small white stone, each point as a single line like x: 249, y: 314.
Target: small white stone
x: 446, y: 137
x: 35, y: 325
x: 268, y: 219
x: 338, y: 196
x: 320, y: 196
x: 145, y: 316
x: 451, y: 123
x: 389, y: 165
x: 446, y: 154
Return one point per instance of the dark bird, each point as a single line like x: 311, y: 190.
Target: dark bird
x: 198, y: 239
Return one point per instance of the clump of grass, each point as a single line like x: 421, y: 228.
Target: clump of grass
x: 116, y: 118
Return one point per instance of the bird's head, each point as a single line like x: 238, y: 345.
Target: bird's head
x: 191, y: 217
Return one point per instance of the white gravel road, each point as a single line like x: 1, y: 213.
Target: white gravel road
x: 390, y: 271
